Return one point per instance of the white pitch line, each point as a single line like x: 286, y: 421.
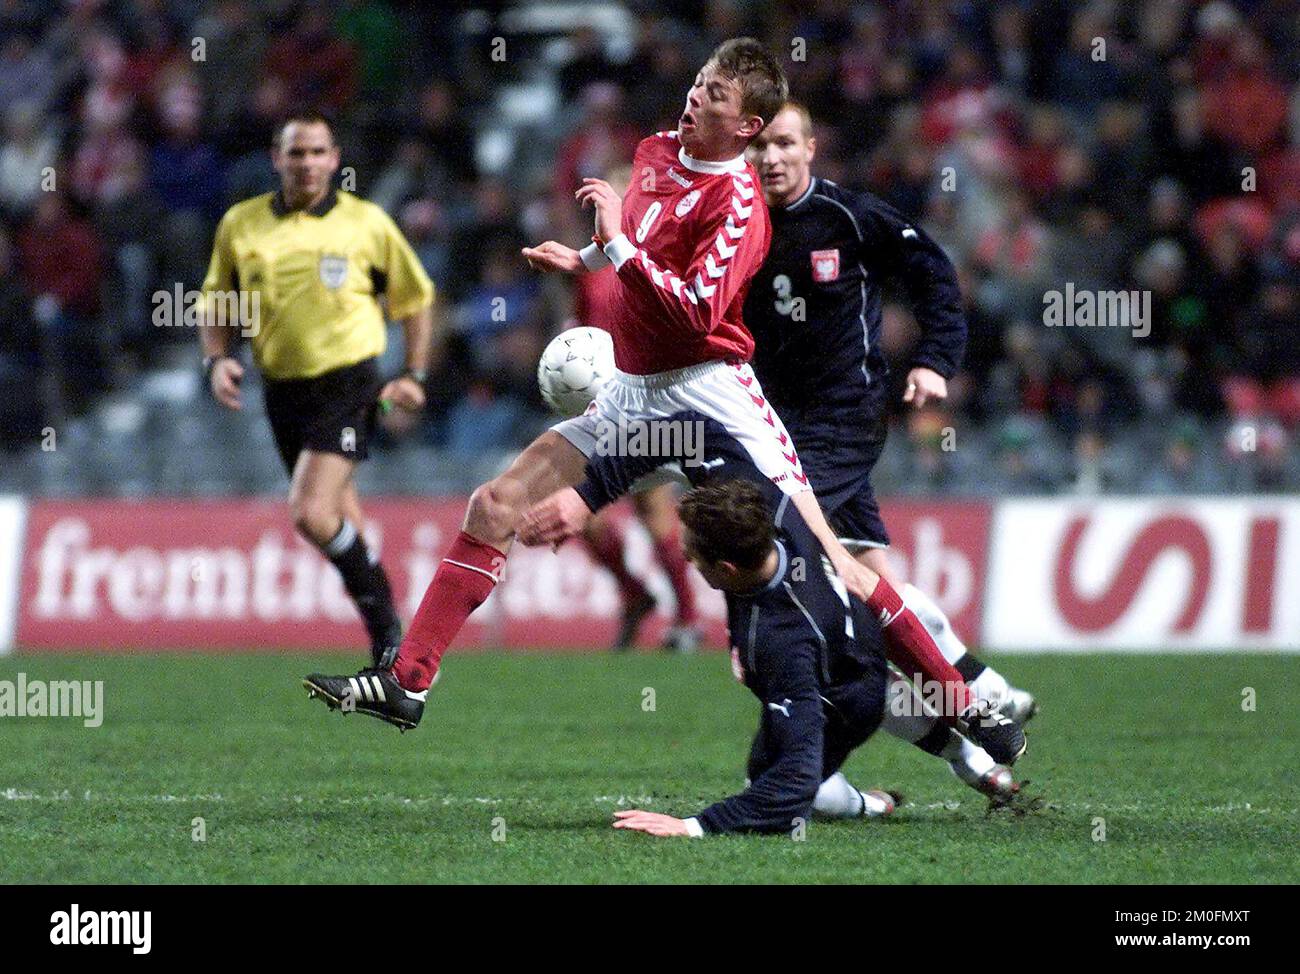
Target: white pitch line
x: 951, y: 805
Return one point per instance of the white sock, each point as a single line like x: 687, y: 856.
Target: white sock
x: 971, y: 763
x: 836, y: 798
x: 906, y: 715
x: 990, y: 684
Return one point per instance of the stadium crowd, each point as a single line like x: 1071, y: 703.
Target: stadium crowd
x: 1150, y: 147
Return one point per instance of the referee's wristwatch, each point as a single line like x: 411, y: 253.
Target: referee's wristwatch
x: 419, y: 375
x: 210, y: 361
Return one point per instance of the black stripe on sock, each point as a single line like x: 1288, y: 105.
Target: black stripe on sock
x: 936, y: 740
x: 969, y: 667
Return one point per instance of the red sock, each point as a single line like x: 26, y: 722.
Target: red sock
x: 465, y: 578
x: 911, y: 648
x: 669, y: 553
x: 607, y: 550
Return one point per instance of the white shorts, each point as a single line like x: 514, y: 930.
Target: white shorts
x: 729, y: 394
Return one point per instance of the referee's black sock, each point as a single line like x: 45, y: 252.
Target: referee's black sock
x: 366, y: 581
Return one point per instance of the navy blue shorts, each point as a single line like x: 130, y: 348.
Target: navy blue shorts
x: 838, y: 459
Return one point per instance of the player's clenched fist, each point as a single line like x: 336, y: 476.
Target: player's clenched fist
x: 404, y: 393
x: 608, y: 205
x: 226, y: 376
x: 560, y: 516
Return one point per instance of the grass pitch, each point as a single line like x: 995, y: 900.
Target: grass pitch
x: 521, y: 759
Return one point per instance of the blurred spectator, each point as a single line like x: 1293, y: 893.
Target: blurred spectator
x: 22, y: 411
x: 1183, y: 467
x: 1244, y: 104
x: 375, y: 33
x: 1085, y: 73
x: 129, y: 219
x: 107, y: 148
x: 1264, y: 376
x: 30, y: 150
x: 316, y: 67
x: 59, y: 255
x: 587, y: 64
x: 1151, y: 148
x: 235, y: 45
x: 492, y: 221
x: 26, y: 72
x: 446, y: 135
x: 603, y: 139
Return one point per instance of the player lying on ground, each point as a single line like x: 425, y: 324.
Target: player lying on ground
x: 811, y: 653
x: 701, y: 230
x: 815, y: 312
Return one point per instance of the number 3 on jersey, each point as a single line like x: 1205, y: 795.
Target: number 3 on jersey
x: 785, y: 302
x: 648, y: 220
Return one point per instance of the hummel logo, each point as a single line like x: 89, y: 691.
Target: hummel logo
x: 710, y: 464
x: 782, y: 707
x: 909, y: 234
x: 679, y: 180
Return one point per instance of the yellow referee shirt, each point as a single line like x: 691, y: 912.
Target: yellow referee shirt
x: 317, y: 275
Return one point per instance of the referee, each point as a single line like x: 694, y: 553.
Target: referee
x: 316, y: 261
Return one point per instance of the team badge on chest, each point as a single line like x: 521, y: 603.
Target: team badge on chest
x: 333, y: 271
x: 686, y: 203
x: 825, y: 265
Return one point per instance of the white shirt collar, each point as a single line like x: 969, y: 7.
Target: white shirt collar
x: 711, y: 168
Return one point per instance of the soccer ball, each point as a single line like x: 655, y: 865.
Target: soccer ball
x: 574, y: 366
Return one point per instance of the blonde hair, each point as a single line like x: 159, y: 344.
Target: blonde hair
x: 805, y: 116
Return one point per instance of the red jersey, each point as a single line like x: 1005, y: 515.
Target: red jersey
x: 700, y: 232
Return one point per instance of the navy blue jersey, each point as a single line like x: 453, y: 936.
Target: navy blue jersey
x: 814, y: 307
x: 803, y: 645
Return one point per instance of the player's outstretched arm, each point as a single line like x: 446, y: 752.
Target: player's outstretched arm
x: 550, y: 257
x: 914, y: 258
x: 858, y: 578
x: 651, y: 823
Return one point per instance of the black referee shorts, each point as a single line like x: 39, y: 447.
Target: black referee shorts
x: 330, y: 413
